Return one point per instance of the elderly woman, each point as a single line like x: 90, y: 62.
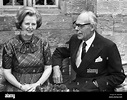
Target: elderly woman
x: 26, y: 58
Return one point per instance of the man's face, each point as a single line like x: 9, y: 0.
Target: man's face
x: 83, y: 27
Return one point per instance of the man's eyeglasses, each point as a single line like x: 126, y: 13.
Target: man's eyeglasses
x: 82, y: 25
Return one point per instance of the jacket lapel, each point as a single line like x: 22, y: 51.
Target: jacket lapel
x: 77, y: 44
x: 93, y: 51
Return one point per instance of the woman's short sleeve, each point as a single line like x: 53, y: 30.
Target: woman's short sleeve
x: 7, y: 56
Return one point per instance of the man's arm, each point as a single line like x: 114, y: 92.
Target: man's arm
x: 59, y: 54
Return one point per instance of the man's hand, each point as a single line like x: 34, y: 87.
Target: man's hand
x: 57, y: 75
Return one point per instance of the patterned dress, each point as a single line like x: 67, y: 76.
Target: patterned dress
x: 26, y: 59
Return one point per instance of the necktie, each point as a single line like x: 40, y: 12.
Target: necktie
x: 83, y: 50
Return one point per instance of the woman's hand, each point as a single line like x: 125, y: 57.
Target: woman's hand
x: 29, y: 87
x: 25, y: 87
x: 33, y: 87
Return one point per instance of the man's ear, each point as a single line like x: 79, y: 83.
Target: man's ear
x: 93, y: 27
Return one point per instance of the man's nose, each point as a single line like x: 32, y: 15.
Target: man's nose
x: 76, y: 28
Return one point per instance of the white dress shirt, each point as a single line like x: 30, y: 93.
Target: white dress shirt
x: 88, y: 42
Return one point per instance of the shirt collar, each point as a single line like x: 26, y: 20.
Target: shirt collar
x: 26, y: 41
x: 89, y: 41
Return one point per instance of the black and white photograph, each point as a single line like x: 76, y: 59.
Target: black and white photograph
x: 64, y: 47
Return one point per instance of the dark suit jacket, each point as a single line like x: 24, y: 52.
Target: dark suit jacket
x: 102, y: 62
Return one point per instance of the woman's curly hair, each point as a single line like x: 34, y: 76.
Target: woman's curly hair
x: 31, y: 11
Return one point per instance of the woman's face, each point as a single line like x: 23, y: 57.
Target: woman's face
x: 29, y: 25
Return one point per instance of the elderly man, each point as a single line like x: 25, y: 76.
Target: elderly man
x: 95, y: 59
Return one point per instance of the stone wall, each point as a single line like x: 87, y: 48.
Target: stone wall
x: 56, y: 25
x: 112, y: 19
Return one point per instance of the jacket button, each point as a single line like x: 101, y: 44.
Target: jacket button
x: 77, y: 83
x: 34, y: 70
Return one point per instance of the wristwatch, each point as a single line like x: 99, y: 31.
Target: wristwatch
x: 20, y: 87
x: 95, y: 83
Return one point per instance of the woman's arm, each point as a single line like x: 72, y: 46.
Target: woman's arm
x: 45, y: 75
x: 11, y: 79
x: 7, y: 59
